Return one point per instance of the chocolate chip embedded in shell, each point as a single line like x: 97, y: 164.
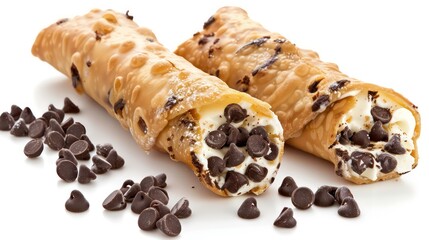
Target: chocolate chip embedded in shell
x: 77, y: 202
x: 361, y: 138
x: 255, y: 172
x: 313, y: 87
x: 381, y: 114
x: 394, y: 145
x: 37, y: 128
x: 378, y: 133
x: 6, y: 121
x: 67, y: 170
x: 100, y: 165
x: 320, y: 103
x: 338, y: 85
x: 75, y: 77
x: 169, y: 225
x: 285, y: 219
x: 256, y: 146
x: 85, y: 175
x: 233, y: 157
x: 216, y: 165
x: 349, y: 208
x: 209, y: 22
x: 181, y: 208
x: 273, y: 152
x: 140, y: 202
x: 345, y: 135
x: 15, y: 111
x: 148, y: 218
x: 249, y: 209
x: 287, y: 187
x: 171, y: 102
x: 234, y: 181
x: 234, y: 113
x: 360, y: 161
x: 69, y: 106
x: 325, y: 196
x: 114, y: 201
x: 33, y: 148
x: 19, y: 129
x: 387, y: 162
x: 142, y: 125
x: 119, y: 106
x: 27, y: 115
x: 216, y: 139
x: 302, y: 198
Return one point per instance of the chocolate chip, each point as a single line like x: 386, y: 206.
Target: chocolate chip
x: 349, y: 208
x: 88, y: 63
x: 74, y: 75
x: 50, y: 115
x: 6, y: 121
x: 270, y: 61
x: 387, y: 162
x: 103, y: 149
x: 255, y: 172
x: 76, y: 129
x: 285, y: 219
x: 69, y: 140
x: 381, y: 114
x: 115, y: 160
x: 128, y: 16
x: 54, y: 126
x: 343, y: 154
x: 233, y: 157
x: 234, y: 181
x: 77, y: 202
x: 67, y: 123
x: 361, y: 161
x: 169, y: 225
x: 100, y: 165
x: 85, y: 174
x: 115, y: 201
x: 15, y: 111
x: 249, y: 209
x: 257, y: 42
x: 60, y: 112
x: 140, y: 202
x: 147, y: 182
x: 216, y: 165
x: 132, y: 192
x: 160, y: 207
x: 148, y: 218
x: 67, y: 171
x: 232, y: 136
x: 338, y: 85
x: 321, y: 102
x: 345, y: 135
x: 27, y: 115
x: 234, y: 113
x: 378, y: 133
x: 342, y: 193
x: 161, y: 180
x: 394, y: 145
x: 61, y: 21
x: 157, y: 193
x: 19, y: 129
x: 313, y: 87
x: 302, y: 198
x: 259, y: 130
x: 209, y: 22
x: 287, y: 187
x: 126, y: 185
x: 171, y: 102
x: 69, y: 106
x: 119, y: 106
x: 242, y: 137
x: 37, y: 128
x: 257, y: 146
x: 181, y: 208
x: 80, y: 150
x: 54, y: 140
x: 216, y: 139
x: 33, y: 148
x: 68, y: 155
x: 272, y: 153
x: 325, y: 196
x: 91, y: 146
x: 142, y: 125
x: 361, y: 138
x: 203, y: 40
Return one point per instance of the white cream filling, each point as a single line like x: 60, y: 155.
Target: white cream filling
x: 211, y: 118
x: 402, y: 123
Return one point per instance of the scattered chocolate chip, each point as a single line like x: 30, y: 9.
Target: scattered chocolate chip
x: 259, y: 130
x: 60, y: 112
x: 341, y: 193
x: 128, y: 16
x: 115, y: 160
x: 55, y: 140
x: 321, y: 102
x: 171, y: 102
x: 50, y: 115
x: 378, y: 133
x: 142, y: 125
x: 287, y: 187
x: 161, y: 180
x: 325, y: 196
x: 394, y: 145
x: 169, y: 225
x: 140, y: 202
x: 216, y: 139
x: 234, y: 181
x: 77, y: 202
x: 249, y: 209
x: 313, y: 87
x: 272, y: 153
x: 181, y: 208
x: 91, y: 146
x: 160, y: 207
x: 119, y: 106
x: 132, y: 192
x: 76, y: 129
x: 80, y: 150
x: 19, y: 129
x: 68, y: 155
x: 148, y: 218
x: 349, y: 208
x: 147, y: 182
x: 100, y: 165
x: 85, y: 174
x: 381, y: 114
x: 61, y: 21
x: 255, y: 172
x: 126, y: 185
x: 15, y: 111
x: 67, y: 171
x: 257, y: 146
x: 285, y: 219
x: 103, y: 149
x: 115, y: 201
x: 33, y: 148
x: 54, y: 126
x: 216, y: 165
x: 27, y: 115
x: 345, y: 135
x: 269, y: 62
x: 302, y: 198
x: 338, y: 85
x: 361, y: 138
x: 361, y: 161
x: 6, y: 121
x: 37, y: 128
x: 209, y: 22
x: 387, y: 162
x: 69, y: 106
x: 157, y: 193
x: 257, y: 42
x: 233, y: 157
x: 75, y: 75
x: 242, y: 137
x: 69, y: 140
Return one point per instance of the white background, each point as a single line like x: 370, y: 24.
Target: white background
x: 384, y: 42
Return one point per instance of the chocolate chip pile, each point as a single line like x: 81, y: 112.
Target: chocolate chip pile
x: 149, y: 199
x: 303, y: 198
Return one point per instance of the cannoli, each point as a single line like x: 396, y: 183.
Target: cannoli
x: 368, y: 132
x: 232, y: 141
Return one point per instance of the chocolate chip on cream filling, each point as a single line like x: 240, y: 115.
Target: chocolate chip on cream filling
x: 239, y: 147
x: 375, y: 138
